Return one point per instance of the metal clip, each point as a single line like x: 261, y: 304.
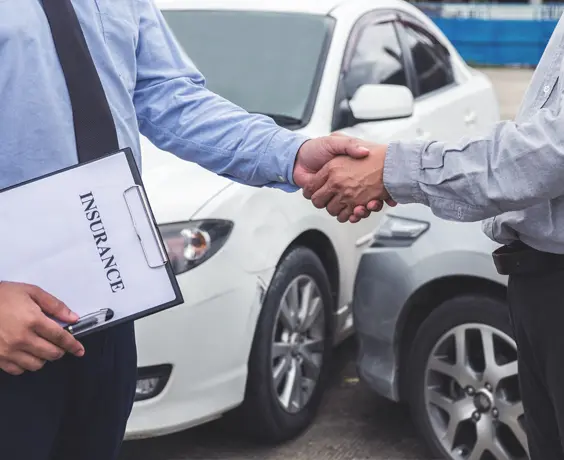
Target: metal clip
x: 152, y: 226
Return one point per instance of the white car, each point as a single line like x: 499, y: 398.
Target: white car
x: 267, y: 278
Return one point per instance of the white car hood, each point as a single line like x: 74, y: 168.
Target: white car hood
x: 176, y: 189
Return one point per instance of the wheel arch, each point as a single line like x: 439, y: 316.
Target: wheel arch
x: 321, y: 245
x: 424, y: 301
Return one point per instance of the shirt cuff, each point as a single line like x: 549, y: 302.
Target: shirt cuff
x: 402, y: 168
x: 279, y: 157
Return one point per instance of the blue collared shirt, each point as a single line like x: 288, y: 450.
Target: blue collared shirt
x: 152, y: 88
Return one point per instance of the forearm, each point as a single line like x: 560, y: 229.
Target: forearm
x: 512, y: 168
x: 197, y: 125
x: 180, y: 115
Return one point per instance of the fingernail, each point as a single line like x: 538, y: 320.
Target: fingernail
x: 73, y: 316
x: 80, y: 353
x: 363, y: 149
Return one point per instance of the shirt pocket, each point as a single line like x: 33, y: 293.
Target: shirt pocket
x: 547, y: 93
x: 120, y: 24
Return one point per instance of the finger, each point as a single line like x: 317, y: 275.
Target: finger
x: 51, y: 305
x: 11, y: 368
x: 27, y: 361
x: 391, y: 203
x: 361, y: 212
x: 318, y: 180
x: 374, y: 205
x: 353, y: 219
x: 52, y: 332
x: 322, y: 197
x: 345, y: 214
x: 339, y: 134
x: 335, y: 206
x: 43, y: 349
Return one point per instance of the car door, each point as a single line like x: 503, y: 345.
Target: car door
x: 373, y: 56
x: 445, y: 109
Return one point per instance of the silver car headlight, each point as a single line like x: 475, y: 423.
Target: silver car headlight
x: 190, y: 244
x: 398, y: 232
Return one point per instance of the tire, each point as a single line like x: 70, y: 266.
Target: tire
x: 487, y: 397
x: 262, y: 415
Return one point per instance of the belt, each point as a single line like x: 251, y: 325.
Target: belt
x: 518, y: 258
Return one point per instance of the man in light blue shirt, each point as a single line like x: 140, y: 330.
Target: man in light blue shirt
x: 54, y: 405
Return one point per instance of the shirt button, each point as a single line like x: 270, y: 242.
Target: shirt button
x: 546, y: 89
x: 281, y: 179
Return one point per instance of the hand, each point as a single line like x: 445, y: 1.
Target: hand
x: 315, y: 154
x: 343, y: 184
x: 28, y: 338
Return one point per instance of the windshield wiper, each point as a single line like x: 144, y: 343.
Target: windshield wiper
x: 280, y: 119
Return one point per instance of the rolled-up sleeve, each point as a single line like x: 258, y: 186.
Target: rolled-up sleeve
x: 514, y: 167
x: 180, y: 115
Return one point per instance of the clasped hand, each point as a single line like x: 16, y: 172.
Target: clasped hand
x: 349, y: 183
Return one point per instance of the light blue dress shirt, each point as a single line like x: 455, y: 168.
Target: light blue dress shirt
x: 152, y: 87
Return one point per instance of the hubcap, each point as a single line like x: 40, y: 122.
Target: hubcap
x: 472, y: 395
x: 298, y: 343
x: 483, y: 401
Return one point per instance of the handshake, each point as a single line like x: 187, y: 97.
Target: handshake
x: 344, y: 175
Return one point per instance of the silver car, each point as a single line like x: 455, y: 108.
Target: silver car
x: 434, y: 331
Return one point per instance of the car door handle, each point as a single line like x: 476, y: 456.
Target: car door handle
x: 470, y: 118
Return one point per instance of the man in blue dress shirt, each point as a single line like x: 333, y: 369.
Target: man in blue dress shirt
x: 59, y: 398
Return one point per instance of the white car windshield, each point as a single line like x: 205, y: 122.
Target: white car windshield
x: 265, y: 62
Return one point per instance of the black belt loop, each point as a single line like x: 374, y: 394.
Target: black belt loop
x: 519, y: 258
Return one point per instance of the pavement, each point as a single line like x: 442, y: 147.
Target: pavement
x: 354, y: 423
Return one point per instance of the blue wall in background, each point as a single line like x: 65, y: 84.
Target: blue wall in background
x: 498, y: 41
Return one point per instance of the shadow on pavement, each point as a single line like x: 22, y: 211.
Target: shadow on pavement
x: 353, y: 424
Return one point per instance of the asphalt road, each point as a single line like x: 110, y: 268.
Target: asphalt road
x: 354, y: 423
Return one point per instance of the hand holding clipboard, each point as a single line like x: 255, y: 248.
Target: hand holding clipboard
x: 29, y: 337
x: 99, y: 251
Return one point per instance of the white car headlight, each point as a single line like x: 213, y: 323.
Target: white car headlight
x: 190, y: 244
x: 398, y: 232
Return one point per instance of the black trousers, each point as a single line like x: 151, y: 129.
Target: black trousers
x: 537, y: 311
x: 72, y: 409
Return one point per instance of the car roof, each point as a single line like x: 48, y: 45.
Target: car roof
x: 322, y: 7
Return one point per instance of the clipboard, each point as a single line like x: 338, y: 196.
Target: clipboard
x: 87, y: 235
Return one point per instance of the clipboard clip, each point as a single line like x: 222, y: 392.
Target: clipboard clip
x: 90, y: 321
x: 145, y: 228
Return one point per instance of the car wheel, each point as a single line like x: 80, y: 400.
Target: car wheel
x: 291, y: 350
x: 463, y: 385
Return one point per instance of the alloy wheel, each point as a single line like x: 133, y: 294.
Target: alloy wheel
x: 472, y: 395
x: 298, y: 343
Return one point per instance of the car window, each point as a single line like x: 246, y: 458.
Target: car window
x: 264, y: 62
x: 431, y: 60
x: 376, y: 59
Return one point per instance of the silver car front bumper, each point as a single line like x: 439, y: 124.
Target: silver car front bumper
x: 390, y: 274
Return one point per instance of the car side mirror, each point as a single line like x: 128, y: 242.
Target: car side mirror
x: 381, y: 102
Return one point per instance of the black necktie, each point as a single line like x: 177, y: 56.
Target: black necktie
x: 94, y: 126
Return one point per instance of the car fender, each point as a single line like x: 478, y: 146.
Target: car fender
x: 267, y: 221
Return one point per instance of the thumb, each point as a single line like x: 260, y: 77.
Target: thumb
x: 344, y: 145
x: 51, y: 305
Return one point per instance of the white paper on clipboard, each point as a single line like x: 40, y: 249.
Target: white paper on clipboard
x: 86, y: 235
